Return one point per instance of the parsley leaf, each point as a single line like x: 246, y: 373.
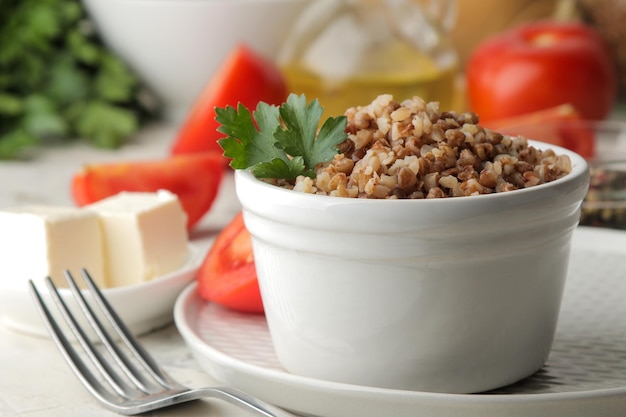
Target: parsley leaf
x: 300, y: 137
x: 246, y: 145
x: 280, y: 142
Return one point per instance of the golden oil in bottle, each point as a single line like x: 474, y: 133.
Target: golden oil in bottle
x: 347, y: 52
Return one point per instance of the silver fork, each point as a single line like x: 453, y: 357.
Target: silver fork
x: 127, y: 384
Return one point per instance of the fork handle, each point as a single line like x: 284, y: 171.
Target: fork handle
x: 241, y: 400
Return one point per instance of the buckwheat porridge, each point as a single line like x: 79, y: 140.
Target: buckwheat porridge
x: 412, y: 150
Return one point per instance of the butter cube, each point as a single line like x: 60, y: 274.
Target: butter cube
x: 144, y: 235
x: 39, y: 241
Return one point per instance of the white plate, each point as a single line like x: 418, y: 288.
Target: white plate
x: 585, y: 374
x: 144, y: 307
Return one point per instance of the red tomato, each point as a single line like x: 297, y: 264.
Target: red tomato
x: 245, y: 77
x: 541, y: 65
x: 561, y: 125
x: 195, y: 179
x: 227, y: 275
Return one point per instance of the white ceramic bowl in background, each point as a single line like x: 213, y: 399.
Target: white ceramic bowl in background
x: 449, y: 295
x: 176, y: 45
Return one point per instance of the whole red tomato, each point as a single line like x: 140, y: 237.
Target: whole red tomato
x: 540, y: 65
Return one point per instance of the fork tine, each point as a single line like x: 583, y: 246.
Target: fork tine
x: 122, y: 361
x: 96, y: 358
x: 122, y: 398
x: 142, y: 356
x: 69, y: 353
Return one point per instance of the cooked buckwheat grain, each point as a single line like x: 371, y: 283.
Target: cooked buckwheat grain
x: 413, y: 150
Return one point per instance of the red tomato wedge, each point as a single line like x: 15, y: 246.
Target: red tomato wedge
x: 195, y: 179
x: 244, y: 77
x: 560, y: 125
x: 227, y: 275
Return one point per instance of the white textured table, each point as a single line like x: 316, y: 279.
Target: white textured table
x: 34, y: 379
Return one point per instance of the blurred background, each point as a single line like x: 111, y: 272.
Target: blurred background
x: 477, y: 20
x: 99, y: 70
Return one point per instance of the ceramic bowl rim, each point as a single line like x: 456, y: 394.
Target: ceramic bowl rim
x: 580, y: 168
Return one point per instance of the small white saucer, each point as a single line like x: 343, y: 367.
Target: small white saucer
x: 585, y: 374
x: 143, y: 307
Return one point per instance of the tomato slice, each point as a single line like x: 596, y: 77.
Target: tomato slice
x: 561, y: 125
x: 195, y: 179
x: 244, y: 77
x: 227, y: 275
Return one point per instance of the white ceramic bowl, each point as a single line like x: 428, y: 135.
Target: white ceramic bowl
x: 143, y: 307
x: 450, y: 295
x: 176, y: 45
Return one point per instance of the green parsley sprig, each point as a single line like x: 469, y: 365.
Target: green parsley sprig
x: 280, y: 142
x: 58, y: 81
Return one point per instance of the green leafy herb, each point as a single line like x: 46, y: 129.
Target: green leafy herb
x: 58, y: 80
x: 280, y: 142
